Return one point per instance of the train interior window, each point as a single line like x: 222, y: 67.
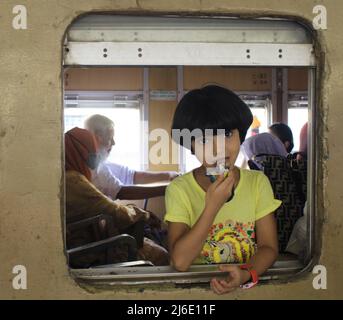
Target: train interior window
x: 134, y: 70
x: 80, y: 105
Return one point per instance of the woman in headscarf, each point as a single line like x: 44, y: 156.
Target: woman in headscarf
x: 263, y: 143
x: 84, y: 200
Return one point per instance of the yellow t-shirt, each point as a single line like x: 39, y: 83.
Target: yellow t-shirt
x: 232, y: 236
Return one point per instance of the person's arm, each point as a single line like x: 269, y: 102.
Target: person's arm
x: 267, y: 252
x: 84, y: 200
x: 267, y: 244
x: 266, y: 235
x: 185, y: 243
x: 134, y: 193
x: 113, y: 188
x: 144, y: 177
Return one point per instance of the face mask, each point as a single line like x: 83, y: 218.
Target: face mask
x: 93, y: 160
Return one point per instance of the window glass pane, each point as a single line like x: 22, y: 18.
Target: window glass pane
x: 127, y: 150
x: 260, y: 122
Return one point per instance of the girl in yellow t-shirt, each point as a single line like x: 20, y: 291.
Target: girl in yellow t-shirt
x: 228, y: 219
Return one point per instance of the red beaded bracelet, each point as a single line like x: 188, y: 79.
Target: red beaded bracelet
x: 253, y: 274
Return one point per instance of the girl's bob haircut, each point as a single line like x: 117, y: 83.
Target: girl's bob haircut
x: 211, y: 107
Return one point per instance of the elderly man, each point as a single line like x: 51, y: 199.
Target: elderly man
x: 118, y: 181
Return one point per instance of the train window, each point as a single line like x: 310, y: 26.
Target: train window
x: 80, y: 105
x: 134, y: 70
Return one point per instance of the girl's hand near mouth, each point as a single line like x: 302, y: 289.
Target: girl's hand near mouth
x: 219, y: 191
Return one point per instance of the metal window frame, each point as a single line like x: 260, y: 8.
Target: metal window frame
x: 191, y: 54
x: 274, y: 96
x: 173, y: 27
x: 312, y: 172
x: 145, y: 118
x: 285, y: 95
x: 290, y: 99
x: 198, y: 274
x: 180, y: 94
x: 171, y: 54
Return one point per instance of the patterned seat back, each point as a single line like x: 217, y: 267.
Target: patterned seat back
x: 288, y: 180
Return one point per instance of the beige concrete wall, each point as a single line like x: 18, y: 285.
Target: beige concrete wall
x: 31, y: 145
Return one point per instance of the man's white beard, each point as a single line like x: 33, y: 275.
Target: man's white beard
x: 103, y: 155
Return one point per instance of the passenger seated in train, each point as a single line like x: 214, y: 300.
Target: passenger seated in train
x: 287, y: 176
x: 284, y: 133
x: 302, y: 154
x: 115, y: 180
x: 256, y: 147
x: 229, y: 220
x: 297, y: 243
x: 84, y: 200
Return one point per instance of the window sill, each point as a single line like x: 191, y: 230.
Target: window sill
x: 110, y: 276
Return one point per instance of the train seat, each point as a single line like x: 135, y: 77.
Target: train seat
x: 288, y: 180
x: 101, y: 251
